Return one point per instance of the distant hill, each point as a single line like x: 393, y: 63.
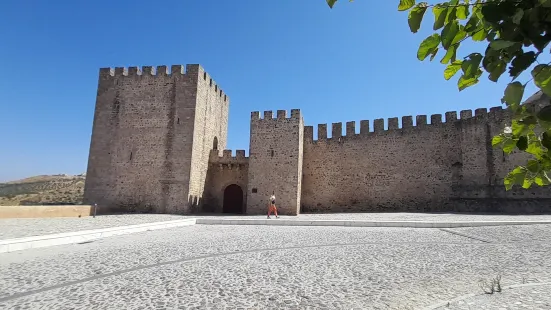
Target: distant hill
x: 43, y: 189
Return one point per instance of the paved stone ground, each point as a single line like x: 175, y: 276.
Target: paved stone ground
x: 274, y: 267
x: 424, y: 217
x: 516, y: 298
x: 17, y: 228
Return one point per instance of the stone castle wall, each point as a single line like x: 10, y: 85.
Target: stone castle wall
x: 211, y: 132
x: 223, y: 171
x: 275, y: 161
x: 447, y: 165
x: 158, y: 137
x: 152, y: 134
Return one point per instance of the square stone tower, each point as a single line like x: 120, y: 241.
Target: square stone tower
x: 152, y: 134
x: 275, y: 162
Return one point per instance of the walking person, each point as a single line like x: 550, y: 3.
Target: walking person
x: 272, y: 206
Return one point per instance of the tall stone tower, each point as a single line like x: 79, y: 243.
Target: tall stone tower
x: 152, y: 134
x: 275, y: 162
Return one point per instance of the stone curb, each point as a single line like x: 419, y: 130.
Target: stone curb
x: 462, y: 297
x: 353, y: 223
x: 18, y: 244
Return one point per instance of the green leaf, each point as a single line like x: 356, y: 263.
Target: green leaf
x: 516, y: 176
x: 545, y: 114
x: 498, y: 140
x: 471, y: 65
x: 521, y: 63
x: 479, y: 35
x: 428, y: 46
x: 465, y: 82
x: 440, y: 13
x: 533, y: 166
x: 406, y: 5
x: 545, y: 3
x: 535, y: 148
x: 505, y: 142
x: 462, y: 11
x: 449, y: 32
x: 546, y: 140
x: 497, y: 69
x: 415, y: 17
x: 501, y: 44
x: 331, y: 3
x: 512, y: 96
x: 472, y: 24
x: 450, y: 55
x: 433, y: 54
x: 491, y: 34
x: 542, y: 78
x: 518, y: 16
x: 529, y: 120
x: 519, y: 128
x: 542, y: 178
x: 528, y: 181
x: 522, y: 143
x: 452, y: 14
x: 509, y: 146
x: 452, y: 69
x: 459, y: 36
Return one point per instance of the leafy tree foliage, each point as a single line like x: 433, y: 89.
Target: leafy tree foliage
x: 517, y: 32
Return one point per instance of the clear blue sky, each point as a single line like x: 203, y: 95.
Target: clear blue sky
x: 357, y: 61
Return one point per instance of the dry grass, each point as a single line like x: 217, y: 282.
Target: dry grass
x: 43, y: 189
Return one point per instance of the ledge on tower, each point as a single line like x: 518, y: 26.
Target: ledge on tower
x: 227, y: 158
x: 393, y: 124
x: 175, y: 70
x: 279, y: 115
x: 150, y: 70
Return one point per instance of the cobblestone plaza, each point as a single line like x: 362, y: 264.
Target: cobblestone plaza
x: 278, y: 267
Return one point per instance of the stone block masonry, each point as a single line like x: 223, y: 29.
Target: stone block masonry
x: 159, y: 145
x: 441, y: 166
x: 225, y: 173
x: 152, y: 134
x: 275, y: 161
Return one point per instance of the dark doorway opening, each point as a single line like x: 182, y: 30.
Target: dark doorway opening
x: 233, y: 199
x: 215, y: 143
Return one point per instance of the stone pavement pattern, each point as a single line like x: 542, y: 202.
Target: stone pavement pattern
x: 27, y: 227
x: 17, y: 228
x: 273, y: 267
x: 533, y: 298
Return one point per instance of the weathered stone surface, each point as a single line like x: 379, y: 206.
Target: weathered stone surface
x: 26, y: 227
x: 441, y: 166
x: 262, y: 267
x: 159, y: 141
x: 534, y: 296
x: 275, y: 163
x: 152, y: 137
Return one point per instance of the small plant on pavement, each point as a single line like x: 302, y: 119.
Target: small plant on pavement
x: 492, y: 286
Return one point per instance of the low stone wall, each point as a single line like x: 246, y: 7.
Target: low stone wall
x: 45, y: 211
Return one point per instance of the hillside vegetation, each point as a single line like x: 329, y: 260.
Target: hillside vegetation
x: 43, y: 190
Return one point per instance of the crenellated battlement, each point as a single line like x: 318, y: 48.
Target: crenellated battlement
x: 279, y: 115
x: 174, y: 70
x: 421, y: 121
x: 227, y: 160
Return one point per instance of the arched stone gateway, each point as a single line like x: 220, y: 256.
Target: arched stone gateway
x: 233, y: 200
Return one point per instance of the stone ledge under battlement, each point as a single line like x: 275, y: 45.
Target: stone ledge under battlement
x: 227, y: 160
x: 421, y: 122
x: 175, y: 70
x: 280, y: 115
